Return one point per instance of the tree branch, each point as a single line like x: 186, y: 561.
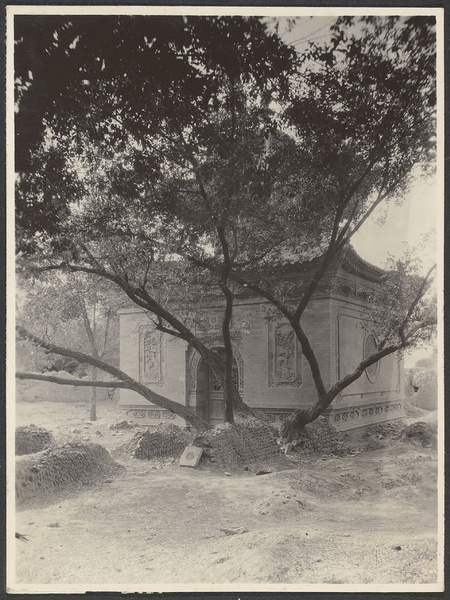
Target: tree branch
x: 130, y: 383
x: 75, y: 382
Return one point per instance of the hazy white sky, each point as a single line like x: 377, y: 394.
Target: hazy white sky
x: 408, y: 223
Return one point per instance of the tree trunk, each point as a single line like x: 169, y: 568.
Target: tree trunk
x: 93, y: 403
x: 239, y: 406
x: 228, y: 387
x: 293, y: 425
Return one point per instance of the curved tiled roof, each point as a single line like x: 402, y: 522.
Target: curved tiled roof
x: 348, y: 259
x: 353, y: 263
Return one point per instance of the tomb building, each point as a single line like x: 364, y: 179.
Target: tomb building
x: 269, y: 370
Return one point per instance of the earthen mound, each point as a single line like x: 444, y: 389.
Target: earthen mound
x: 123, y: 425
x: 31, y: 439
x: 166, y: 440
x: 318, y: 437
x: 239, y: 444
x: 419, y: 432
x: 281, y: 503
x: 56, y: 468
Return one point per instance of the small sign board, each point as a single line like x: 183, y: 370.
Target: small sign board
x: 191, y: 456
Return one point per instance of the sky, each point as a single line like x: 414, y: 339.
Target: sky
x: 405, y: 224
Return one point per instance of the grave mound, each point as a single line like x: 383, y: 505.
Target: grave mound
x: 247, y: 441
x: 56, y: 468
x: 165, y: 440
x: 318, y: 437
x: 281, y: 503
x: 419, y: 432
x: 31, y: 439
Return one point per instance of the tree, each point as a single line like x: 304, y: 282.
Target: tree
x: 69, y: 307
x: 361, y: 118
x: 228, y: 168
x: 144, y: 139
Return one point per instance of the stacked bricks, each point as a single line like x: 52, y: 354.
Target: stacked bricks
x: 56, y: 468
x: 31, y: 439
x: 318, y: 436
x: 166, y: 440
x: 239, y: 444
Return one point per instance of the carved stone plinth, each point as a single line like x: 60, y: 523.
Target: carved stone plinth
x: 343, y: 419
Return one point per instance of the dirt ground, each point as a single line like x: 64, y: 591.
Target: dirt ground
x: 370, y: 518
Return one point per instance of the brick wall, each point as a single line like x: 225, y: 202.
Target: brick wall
x: 334, y: 328
x: 253, y: 347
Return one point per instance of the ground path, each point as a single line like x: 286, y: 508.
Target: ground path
x: 370, y: 518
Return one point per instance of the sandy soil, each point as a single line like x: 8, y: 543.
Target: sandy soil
x: 368, y: 518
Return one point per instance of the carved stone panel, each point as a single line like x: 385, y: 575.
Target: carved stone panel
x: 370, y: 347
x: 150, y: 356
x: 284, y: 356
x: 357, y: 342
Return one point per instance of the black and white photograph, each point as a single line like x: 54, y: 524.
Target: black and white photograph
x: 225, y: 299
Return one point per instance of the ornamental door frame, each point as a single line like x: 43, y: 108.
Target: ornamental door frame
x: 196, y: 360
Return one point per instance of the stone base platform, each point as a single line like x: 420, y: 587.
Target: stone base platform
x: 354, y: 417
x: 347, y: 418
x: 148, y: 415
x: 340, y: 418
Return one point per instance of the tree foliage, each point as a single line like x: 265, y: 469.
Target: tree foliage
x: 175, y: 152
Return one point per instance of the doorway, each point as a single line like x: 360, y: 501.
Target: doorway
x: 212, y: 408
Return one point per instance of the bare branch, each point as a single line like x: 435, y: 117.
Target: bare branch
x: 75, y: 382
x: 130, y: 383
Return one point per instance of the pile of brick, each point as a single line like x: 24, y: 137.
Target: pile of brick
x: 31, y: 439
x: 56, y: 468
x: 165, y: 440
x: 239, y: 444
x: 318, y: 436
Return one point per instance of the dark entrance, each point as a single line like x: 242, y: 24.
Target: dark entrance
x: 212, y: 409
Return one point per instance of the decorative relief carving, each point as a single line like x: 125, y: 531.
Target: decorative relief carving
x: 272, y: 416
x: 353, y: 345
x: 150, y: 356
x: 326, y: 286
x: 345, y: 287
x: 192, y: 384
x: 209, y: 320
x: 353, y: 414
x: 349, y: 415
x: 210, y: 339
x: 284, y: 356
x: 364, y: 293
x: 370, y: 347
x: 196, y: 364
x: 150, y: 414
